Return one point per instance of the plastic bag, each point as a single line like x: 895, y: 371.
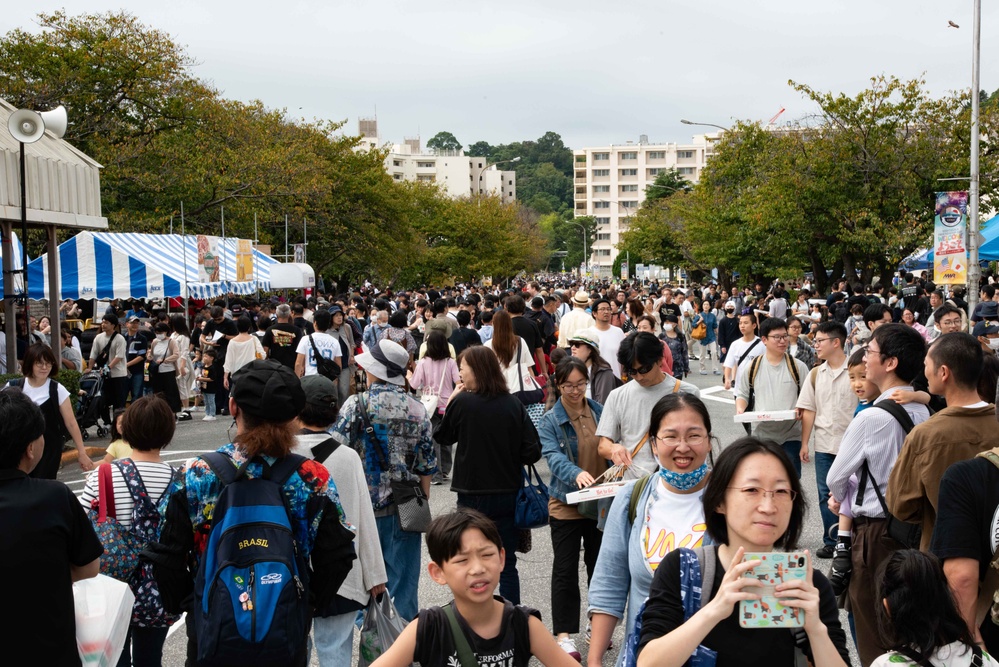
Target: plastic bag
x: 103, y: 612
x: 382, y: 626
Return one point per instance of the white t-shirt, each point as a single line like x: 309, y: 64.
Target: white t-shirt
x: 670, y: 520
x: 329, y: 347
x: 737, y: 349
x: 41, y: 394
x: 954, y: 654
x: 518, y: 368
x: 610, y: 341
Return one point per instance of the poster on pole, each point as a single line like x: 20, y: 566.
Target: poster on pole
x: 950, y: 248
x: 300, y: 253
x: 244, y: 260
x: 624, y: 270
x: 208, y: 259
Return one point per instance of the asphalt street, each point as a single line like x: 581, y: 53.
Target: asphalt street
x: 197, y: 436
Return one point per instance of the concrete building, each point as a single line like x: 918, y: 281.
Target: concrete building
x: 458, y: 174
x: 610, y: 183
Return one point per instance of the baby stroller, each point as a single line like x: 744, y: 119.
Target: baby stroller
x: 91, y: 403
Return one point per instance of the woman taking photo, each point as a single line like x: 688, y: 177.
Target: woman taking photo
x: 162, y: 357
x: 40, y: 369
x: 495, y: 439
x: 666, y: 513
x: 513, y: 353
x: 181, y: 336
x: 585, y: 346
x: 633, y: 311
x: 569, y: 444
x: 437, y: 373
x: 752, y: 504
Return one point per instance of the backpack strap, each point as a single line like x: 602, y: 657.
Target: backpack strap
x: 283, y: 468
x: 222, y: 466
x: 676, y: 387
x: 899, y: 413
x: 324, y: 449
x: 793, y: 367
x: 812, y: 376
x: 754, y: 369
x: 707, y: 557
x: 465, y: 655
x: 636, y: 492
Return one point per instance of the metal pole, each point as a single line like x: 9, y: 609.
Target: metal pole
x: 255, y: 242
x: 305, y: 239
x: 55, y: 292
x: 974, y: 270
x: 183, y: 238
x: 225, y: 285
x: 8, y: 300
x: 24, y: 239
x: 286, y: 237
x: 171, y: 225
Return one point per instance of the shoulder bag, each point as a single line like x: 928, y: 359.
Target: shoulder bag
x: 466, y: 657
x: 121, y: 547
x: 431, y: 400
x: 325, y: 367
x: 532, y: 501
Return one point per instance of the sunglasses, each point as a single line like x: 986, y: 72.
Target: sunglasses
x: 631, y: 372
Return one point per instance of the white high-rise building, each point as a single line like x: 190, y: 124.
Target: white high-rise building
x: 610, y: 183
x: 458, y: 174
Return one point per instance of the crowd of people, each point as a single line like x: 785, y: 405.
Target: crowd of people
x: 357, y: 405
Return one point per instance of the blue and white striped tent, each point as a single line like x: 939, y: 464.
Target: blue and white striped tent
x: 110, y: 265
x: 17, y: 257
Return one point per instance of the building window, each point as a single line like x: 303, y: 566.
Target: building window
x: 601, y: 156
x: 686, y: 171
x: 655, y: 171
x: 601, y: 188
x: 685, y: 155
x: 629, y: 204
x: 425, y: 165
x: 509, y: 182
x: 397, y: 177
x: 426, y: 179
x: 656, y: 155
x: 396, y: 163
x: 603, y: 237
x: 603, y: 252
x: 628, y: 156
x: 629, y: 172
x: 601, y: 172
x: 629, y: 188
x: 602, y: 221
x: 601, y: 204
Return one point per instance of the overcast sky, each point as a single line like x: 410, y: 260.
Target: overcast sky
x: 595, y: 72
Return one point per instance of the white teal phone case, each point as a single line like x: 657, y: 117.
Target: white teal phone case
x: 767, y: 612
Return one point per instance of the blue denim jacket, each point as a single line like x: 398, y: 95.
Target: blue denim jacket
x: 621, y: 576
x: 557, y: 433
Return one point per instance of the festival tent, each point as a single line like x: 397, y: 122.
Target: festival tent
x: 18, y: 263
x: 988, y: 251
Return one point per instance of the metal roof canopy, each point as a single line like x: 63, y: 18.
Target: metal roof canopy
x: 63, y: 190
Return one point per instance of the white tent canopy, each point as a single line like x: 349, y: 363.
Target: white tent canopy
x: 292, y: 276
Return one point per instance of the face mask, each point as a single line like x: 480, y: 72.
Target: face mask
x: 684, y: 481
x: 667, y: 327
x: 994, y: 343
x: 160, y: 336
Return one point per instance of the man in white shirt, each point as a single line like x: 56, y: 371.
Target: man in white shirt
x: 610, y: 335
x: 328, y: 346
x: 741, y: 351
x: 826, y: 406
x: 575, y: 321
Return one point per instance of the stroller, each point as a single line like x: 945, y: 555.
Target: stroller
x: 91, y: 404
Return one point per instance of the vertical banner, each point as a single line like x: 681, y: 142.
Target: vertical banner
x: 244, y: 260
x: 208, y: 259
x: 624, y: 270
x: 950, y: 231
x: 300, y: 253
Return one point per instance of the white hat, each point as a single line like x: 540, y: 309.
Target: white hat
x: 581, y: 298
x: 386, y: 361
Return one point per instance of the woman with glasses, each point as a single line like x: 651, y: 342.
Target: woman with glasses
x: 585, y: 346
x: 569, y: 443
x: 650, y: 518
x: 752, y: 504
x: 798, y: 345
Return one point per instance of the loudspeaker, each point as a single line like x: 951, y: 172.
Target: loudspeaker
x: 28, y: 126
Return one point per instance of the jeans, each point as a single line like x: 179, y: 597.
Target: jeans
x: 401, y: 552
x: 500, y: 508
x: 566, y: 537
x: 135, y: 385
x: 343, y: 386
x: 209, y: 405
x: 823, y: 462
x: 333, y: 638
x: 793, y: 450
x: 146, y: 644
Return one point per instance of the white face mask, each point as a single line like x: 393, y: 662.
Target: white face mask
x: 994, y: 343
x: 160, y: 336
x: 667, y: 327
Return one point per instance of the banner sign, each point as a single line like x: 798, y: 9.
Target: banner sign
x: 244, y: 260
x: 300, y: 253
x: 209, y: 259
x: 950, y: 231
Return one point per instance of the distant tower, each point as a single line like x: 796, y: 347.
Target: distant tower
x: 368, y: 127
x: 414, y: 144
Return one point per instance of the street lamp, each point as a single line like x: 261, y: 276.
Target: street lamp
x: 586, y: 258
x: 690, y: 122
x: 478, y: 181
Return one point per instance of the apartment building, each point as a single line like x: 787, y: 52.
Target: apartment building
x: 458, y: 174
x: 610, y: 183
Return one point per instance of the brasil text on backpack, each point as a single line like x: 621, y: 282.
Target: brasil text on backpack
x: 251, y: 591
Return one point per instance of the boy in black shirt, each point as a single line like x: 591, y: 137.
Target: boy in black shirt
x: 210, y: 380
x: 466, y: 554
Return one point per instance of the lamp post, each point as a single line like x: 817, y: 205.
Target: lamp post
x: 690, y: 122
x: 586, y: 257
x: 478, y: 180
x: 974, y: 270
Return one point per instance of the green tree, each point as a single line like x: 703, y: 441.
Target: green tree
x: 667, y: 183
x: 444, y: 141
x: 480, y: 149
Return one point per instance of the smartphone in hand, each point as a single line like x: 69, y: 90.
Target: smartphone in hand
x: 774, y: 568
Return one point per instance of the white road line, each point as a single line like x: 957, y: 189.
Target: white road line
x: 713, y: 390
x: 720, y: 400
x: 175, y: 626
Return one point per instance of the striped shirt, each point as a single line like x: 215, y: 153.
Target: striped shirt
x: 155, y: 477
x: 874, y: 436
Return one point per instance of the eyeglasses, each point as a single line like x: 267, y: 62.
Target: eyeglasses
x: 778, y: 337
x: 577, y: 343
x: 573, y: 388
x: 604, y: 309
x: 820, y: 340
x: 692, y: 439
x: 869, y: 351
x: 631, y: 372
x: 757, y: 494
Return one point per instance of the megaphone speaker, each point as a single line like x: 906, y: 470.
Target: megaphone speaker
x: 55, y: 120
x: 26, y: 126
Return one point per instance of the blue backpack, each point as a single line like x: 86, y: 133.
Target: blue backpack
x: 251, y: 591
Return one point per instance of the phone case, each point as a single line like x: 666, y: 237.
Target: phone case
x: 768, y: 612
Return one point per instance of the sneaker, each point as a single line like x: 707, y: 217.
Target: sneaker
x: 704, y: 372
x: 184, y: 417
x: 208, y: 418
x: 569, y: 647
x: 825, y: 552
x: 839, y: 573
x: 717, y: 372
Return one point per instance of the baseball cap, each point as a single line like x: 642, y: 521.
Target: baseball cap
x: 985, y: 328
x: 319, y: 390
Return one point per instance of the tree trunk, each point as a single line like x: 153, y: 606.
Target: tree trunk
x: 818, y: 271
x: 850, y: 269
x: 837, y: 269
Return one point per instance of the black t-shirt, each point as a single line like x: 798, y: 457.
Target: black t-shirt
x: 530, y: 332
x: 736, y: 645
x: 281, y: 341
x: 669, y: 309
x: 510, y: 648
x: 214, y: 375
x: 136, y: 346
x: 228, y: 328
x: 45, y: 531
x: 967, y: 523
x: 304, y: 325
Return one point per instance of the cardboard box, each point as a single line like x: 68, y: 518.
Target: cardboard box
x: 595, y: 492
x: 760, y: 416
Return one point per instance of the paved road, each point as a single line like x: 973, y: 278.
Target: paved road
x: 535, y: 568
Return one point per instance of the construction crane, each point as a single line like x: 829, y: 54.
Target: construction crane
x: 773, y: 120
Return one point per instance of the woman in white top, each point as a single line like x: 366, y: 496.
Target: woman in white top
x: 243, y: 349
x: 162, y: 356
x: 148, y: 425
x: 40, y: 367
x: 181, y: 337
x: 514, y: 354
